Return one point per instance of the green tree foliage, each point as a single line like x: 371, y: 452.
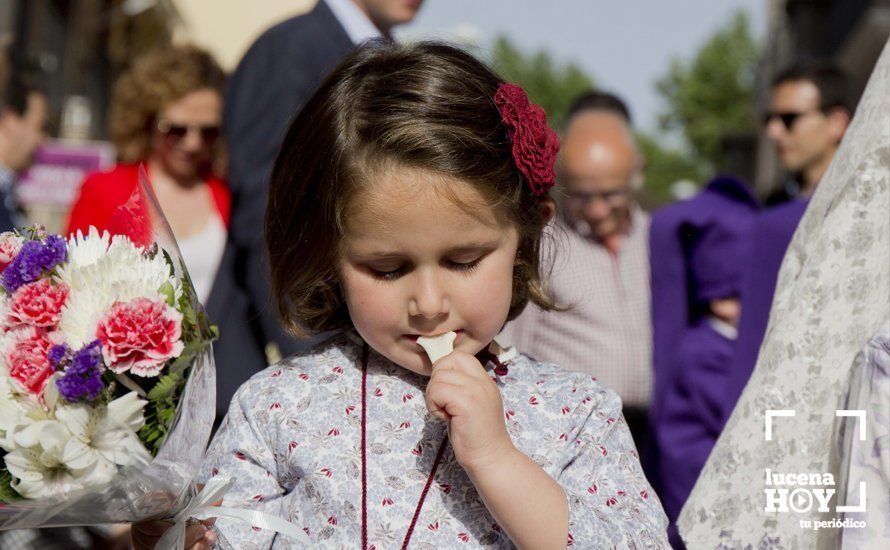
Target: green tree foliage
x: 664, y: 167
x: 551, y: 85
x: 712, y: 95
x: 706, y: 98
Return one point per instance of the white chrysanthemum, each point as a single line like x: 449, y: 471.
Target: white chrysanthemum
x: 102, y: 270
x: 81, y: 447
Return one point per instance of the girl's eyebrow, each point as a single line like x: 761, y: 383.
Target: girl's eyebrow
x: 474, y: 247
x: 464, y: 248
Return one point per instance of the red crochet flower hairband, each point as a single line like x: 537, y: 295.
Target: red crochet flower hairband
x: 535, y: 144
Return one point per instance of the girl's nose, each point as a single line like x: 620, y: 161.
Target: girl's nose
x: 428, y: 298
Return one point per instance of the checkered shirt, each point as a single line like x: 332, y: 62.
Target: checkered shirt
x: 607, y: 332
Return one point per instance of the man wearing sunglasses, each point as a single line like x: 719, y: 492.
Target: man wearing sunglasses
x: 601, y: 267
x: 279, y: 72
x: 808, y: 114
x: 807, y: 118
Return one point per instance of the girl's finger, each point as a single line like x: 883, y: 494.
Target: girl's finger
x: 439, y: 396
x: 461, y: 362
x: 451, y: 376
x: 154, y: 528
x: 195, y: 534
x: 205, y: 543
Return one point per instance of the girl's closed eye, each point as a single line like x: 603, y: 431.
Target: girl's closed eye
x: 388, y: 273
x: 465, y: 266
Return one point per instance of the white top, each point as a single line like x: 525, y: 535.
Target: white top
x: 356, y: 24
x: 202, y: 253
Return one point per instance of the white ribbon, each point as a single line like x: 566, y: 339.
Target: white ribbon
x: 201, y: 507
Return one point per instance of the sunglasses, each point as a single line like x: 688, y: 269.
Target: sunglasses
x: 788, y: 118
x: 174, y: 133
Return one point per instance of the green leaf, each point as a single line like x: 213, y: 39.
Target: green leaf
x: 213, y: 333
x: 157, y: 423
x: 166, y: 414
x: 169, y: 292
x: 7, y: 493
x: 188, y: 356
x: 165, y: 387
x: 169, y: 260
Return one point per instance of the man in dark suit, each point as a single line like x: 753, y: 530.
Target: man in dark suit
x: 23, y: 118
x: 277, y: 75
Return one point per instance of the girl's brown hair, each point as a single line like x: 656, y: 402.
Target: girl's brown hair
x: 156, y: 79
x: 424, y: 106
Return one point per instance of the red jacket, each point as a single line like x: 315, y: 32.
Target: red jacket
x: 103, y: 193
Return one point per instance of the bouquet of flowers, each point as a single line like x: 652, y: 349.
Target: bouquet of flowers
x: 106, y: 376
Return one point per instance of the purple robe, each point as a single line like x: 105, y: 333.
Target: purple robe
x: 691, y: 415
x: 685, y: 270
x: 770, y: 237
x: 695, y: 247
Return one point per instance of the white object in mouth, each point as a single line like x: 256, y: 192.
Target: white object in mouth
x: 439, y: 346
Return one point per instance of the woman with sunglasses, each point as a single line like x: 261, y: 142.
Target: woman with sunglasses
x: 165, y: 116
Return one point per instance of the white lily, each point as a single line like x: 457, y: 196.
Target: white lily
x: 10, y: 409
x: 104, y: 433
x: 38, y: 470
x: 14, y: 405
x: 81, y: 447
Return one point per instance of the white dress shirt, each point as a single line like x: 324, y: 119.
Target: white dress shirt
x: 354, y: 21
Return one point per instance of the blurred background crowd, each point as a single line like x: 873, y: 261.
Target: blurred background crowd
x: 692, y: 137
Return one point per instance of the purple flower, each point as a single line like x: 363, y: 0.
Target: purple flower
x: 34, y: 258
x: 83, y: 377
x: 59, y: 356
x: 55, y: 251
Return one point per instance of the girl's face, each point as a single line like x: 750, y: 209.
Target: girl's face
x: 415, y: 263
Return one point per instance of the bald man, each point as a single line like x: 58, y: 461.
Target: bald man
x: 600, y: 261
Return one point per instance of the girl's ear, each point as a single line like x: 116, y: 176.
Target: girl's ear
x: 547, y: 208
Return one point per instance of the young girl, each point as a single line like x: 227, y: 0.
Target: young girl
x: 408, y: 200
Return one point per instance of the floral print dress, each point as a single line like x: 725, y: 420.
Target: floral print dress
x: 292, y: 443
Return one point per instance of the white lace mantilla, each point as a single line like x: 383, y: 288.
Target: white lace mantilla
x: 833, y: 295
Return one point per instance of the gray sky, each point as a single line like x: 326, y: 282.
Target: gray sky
x: 624, y: 44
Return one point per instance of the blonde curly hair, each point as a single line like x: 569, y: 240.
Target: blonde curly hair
x: 154, y: 80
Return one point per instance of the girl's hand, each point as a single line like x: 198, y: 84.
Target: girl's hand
x: 200, y: 536
x: 462, y: 393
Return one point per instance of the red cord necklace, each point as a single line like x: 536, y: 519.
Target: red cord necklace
x: 429, y: 480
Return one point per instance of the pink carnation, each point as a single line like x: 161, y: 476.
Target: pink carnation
x: 26, y: 353
x: 140, y: 336
x: 10, y: 244
x: 38, y: 304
